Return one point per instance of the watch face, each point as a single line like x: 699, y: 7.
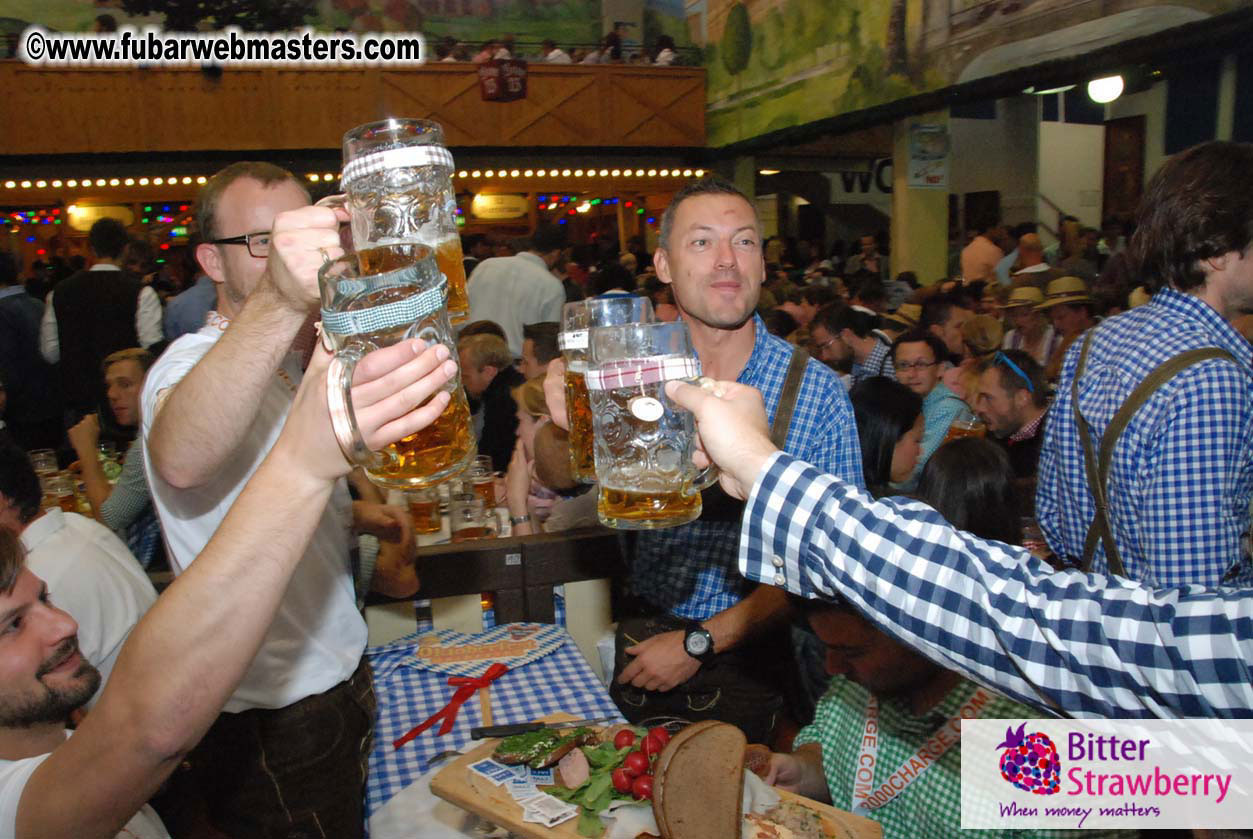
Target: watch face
x: 697, y: 643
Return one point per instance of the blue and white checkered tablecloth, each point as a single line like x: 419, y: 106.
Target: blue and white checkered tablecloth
x: 560, y: 681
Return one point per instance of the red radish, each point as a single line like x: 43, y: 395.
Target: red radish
x: 661, y: 734
x: 621, y: 780
x: 651, y: 745
x: 642, y: 788
x: 636, y: 763
x: 624, y: 739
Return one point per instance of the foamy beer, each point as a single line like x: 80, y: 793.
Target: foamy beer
x: 398, y: 179
x: 643, y: 441
x: 366, y: 309
x: 576, y: 319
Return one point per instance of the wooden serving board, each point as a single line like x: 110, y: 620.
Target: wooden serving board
x: 457, y: 784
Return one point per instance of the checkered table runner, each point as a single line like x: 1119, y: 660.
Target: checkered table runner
x: 560, y: 681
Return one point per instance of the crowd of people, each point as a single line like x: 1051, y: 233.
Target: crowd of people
x: 903, y: 468
x: 610, y: 50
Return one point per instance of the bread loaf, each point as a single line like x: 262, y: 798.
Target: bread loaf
x: 698, y: 783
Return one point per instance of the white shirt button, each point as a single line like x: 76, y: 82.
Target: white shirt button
x: 778, y: 580
x: 778, y: 561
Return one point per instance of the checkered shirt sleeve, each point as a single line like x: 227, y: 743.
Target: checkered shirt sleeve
x: 1181, y: 477
x: 1083, y: 645
x: 690, y: 570
x: 878, y: 363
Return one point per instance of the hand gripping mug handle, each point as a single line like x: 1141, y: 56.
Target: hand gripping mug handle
x: 339, y: 401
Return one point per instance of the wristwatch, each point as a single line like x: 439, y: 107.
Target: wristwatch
x: 522, y: 519
x: 698, y: 643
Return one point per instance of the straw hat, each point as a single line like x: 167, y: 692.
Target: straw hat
x: 1065, y: 290
x: 907, y: 315
x: 983, y: 334
x: 1027, y: 295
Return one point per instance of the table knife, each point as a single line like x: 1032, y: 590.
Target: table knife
x: 481, y: 732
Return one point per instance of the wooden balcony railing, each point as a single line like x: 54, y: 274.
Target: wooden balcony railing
x: 96, y: 111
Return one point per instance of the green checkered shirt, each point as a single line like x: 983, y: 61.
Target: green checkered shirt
x: 930, y: 807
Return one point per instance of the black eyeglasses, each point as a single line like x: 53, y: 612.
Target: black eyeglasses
x: 1000, y: 356
x: 258, y: 243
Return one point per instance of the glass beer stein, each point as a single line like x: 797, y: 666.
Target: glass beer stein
x: 576, y: 319
x: 643, y: 441
x: 364, y: 309
x: 398, y: 181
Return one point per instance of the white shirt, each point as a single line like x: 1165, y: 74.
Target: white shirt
x: 14, y: 774
x: 92, y: 575
x: 664, y: 58
x: 514, y: 291
x: 147, y: 321
x: 557, y: 56
x: 318, y: 636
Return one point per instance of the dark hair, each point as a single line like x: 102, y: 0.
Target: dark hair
x: 937, y: 309
x: 829, y: 316
x: 917, y: 336
x: 544, y: 336
x: 885, y: 411
x: 482, y: 327
x: 12, y: 558
x: 779, y: 323
x: 909, y: 278
x: 1197, y: 206
x: 107, y: 23
x: 869, y: 289
x: 1012, y: 381
x: 610, y: 276
x: 18, y: 481
x: 849, y: 317
x: 710, y: 185
x: 548, y: 238
x: 549, y: 43
x: 107, y: 238
x: 969, y: 481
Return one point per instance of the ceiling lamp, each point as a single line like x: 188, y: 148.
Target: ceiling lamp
x: 1105, y: 90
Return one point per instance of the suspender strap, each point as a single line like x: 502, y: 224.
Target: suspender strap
x: 1098, y: 469
x: 787, y: 399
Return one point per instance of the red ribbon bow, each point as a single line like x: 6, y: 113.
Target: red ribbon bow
x: 466, y: 687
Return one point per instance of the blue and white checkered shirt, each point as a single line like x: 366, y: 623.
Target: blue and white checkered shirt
x: 689, y: 571
x: 1083, y: 645
x: 1181, y: 476
x: 878, y: 362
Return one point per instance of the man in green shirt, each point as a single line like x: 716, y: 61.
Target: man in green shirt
x: 884, y: 742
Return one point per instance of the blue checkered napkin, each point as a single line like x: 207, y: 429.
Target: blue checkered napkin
x: 561, y: 681
x: 438, y: 650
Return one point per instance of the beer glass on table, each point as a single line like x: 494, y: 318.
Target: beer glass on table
x: 398, y: 181
x: 469, y: 518
x: 576, y: 319
x: 424, y: 510
x: 643, y: 441
x: 367, y: 308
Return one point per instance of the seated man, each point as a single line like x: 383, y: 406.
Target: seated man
x: 88, y: 570
x: 488, y: 375
x: 187, y: 655
x: 910, y: 699
x: 916, y: 358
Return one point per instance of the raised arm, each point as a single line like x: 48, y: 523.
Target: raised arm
x: 200, y: 422
x: 189, y: 652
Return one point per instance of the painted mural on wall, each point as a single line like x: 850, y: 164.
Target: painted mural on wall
x: 569, y: 22
x: 773, y: 64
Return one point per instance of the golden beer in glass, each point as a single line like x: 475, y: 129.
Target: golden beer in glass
x: 365, y: 306
x: 632, y: 509
x: 579, y: 414
x: 424, y: 510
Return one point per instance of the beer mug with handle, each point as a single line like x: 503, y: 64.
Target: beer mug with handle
x: 576, y: 319
x: 643, y: 440
x: 398, y: 181
x: 363, y: 310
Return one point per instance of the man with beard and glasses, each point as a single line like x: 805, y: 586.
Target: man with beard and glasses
x: 186, y: 657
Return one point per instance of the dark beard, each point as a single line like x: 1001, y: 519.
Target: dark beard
x: 55, y: 704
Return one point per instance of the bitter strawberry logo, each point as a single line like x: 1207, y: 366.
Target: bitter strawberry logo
x: 1030, y: 762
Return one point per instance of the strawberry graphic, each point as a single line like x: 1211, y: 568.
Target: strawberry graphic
x: 1030, y: 762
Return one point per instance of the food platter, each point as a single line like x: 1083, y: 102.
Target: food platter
x: 458, y: 785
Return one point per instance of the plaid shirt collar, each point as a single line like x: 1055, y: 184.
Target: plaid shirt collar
x: 1029, y: 430
x: 1194, y: 308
